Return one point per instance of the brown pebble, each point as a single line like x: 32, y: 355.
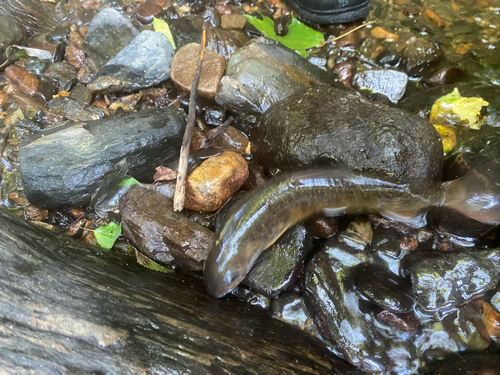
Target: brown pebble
x: 147, y: 11
x: 433, y: 18
x: 411, y: 11
x: 184, y: 67
x: 324, y: 227
x: 33, y: 213
x: 4, y: 98
x: 211, y: 184
x: 76, y: 38
x: 231, y: 140
x: 198, y: 140
x: 491, y: 318
x: 405, y: 322
x: 345, y: 71
x: 75, y: 56
x: 233, y: 21
x: 381, y: 33
x: 22, y: 79
x: 77, y: 212
x: 446, y: 76
x: 223, y: 9
x: 350, y: 40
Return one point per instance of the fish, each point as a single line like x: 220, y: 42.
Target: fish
x: 257, y: 220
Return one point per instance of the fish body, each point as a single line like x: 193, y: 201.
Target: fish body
x: 259, y: 219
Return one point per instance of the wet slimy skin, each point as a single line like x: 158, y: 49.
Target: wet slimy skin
x: 257, y: 220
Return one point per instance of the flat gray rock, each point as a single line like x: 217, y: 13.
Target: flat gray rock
x: 108, y: 33
x: 143, y: 63
x: 64, y: 165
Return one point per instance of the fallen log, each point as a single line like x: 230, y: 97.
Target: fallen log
x: 68, y: 307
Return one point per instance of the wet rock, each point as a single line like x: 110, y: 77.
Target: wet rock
x: 345, y: 71
x: 145, y: 12
x: 34, y: 65
x: 324, y: 227
x: 75, y: 56
x: 406, y: 322
x: 184, y: 67
x: 64, y: 166
x: 225, y: 42
x: 345, y: 321
x: 184, y: 32
x: 419, y: 56
x: 264, y: 72
x: 443, y: 282
x: 491, y: 318
x: 233, y: 21
x: 22, y: 80
x: 349, y: 130
x: 143, y: 63
x: 230, y: 140
x: 81, y: 94
x: 214, y: 116
x: 391, y: 83
x: 256, y: 176
x: 466, y: 363
x: 291, y: 309
x: 458, y: 331
x: 210, y: 185
x: 446, y: 76
x: 384, y: 288
x: 276, y: 268
x: 33, y: 213
x: 108, y: 33
x: 251, y: 297
x: 74, y: 110
x: 63, y: 72
x: 10, y: 33
x: 162, y: 234
x: 29, y: 105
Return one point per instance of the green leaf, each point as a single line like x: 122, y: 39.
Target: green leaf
x: 151, y: 264
x: 106, y: 235
x: 299, y: 36
x: 162, y: 27
x: 128, y: 182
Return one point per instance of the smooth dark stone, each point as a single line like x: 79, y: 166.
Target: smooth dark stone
x: 341, y: 318
x: 10, y: 33
x: 347, y: 129
x: 64, y: 166
x: 276, y: 268
x: 34, y: 65
x: 419, y: 56
x: 108, y: 33
x: 406, y: 322
x: 184, y: 32
x: 291, y: 308
x: 391, y: 83
x: 384, y: 288
x: 146, y: 12
x: 466, y: 364
x: 72, y: 307
x: 446, y: 76
x: 225, y: 42
x: 81, y: 94
x: 442, y: 282
x: 270, y: 72
x: 161, y: 234
x: 145, y: 62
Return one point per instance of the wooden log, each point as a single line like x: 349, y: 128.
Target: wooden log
x: 68, y: 307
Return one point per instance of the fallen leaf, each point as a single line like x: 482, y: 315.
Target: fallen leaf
x: 106, y: 235
x: 161, y: 26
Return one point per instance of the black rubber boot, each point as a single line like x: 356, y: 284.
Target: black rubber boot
x: 330, y: 11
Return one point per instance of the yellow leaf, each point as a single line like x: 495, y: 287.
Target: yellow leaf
x: 454, y: 109
x: 448, y: 137
x: 49, y: 1
x: 162, y: 27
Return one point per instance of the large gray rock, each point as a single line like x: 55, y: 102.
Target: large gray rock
x: 10, y: 33
x: 68, y: 307
x: 108, y: 33
x: 264, y: 72
x: 349, y: 130
x: 64, y: 165
x: 145, y: 62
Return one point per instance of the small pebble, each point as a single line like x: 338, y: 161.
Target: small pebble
x: 211, y: 184
x: 146, y: 12
x: 184, y: 67
x: 231, y: 140
x: 233, y: 21
x: 4, y: 98
x: 33, y: 213
x: 324, y: 227
x: 406, y: 322
x: 22, y: 79
x: 491, y: 318
x: 381, y: 33
x: 75, y: 56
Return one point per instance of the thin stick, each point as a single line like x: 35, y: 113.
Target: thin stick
x: 180, y: 188
x: 220, y: 129
x: 349, y: 32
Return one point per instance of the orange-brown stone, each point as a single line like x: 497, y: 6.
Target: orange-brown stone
x: 211, y: 184
x: 184, y: 67
x: 22, y: 79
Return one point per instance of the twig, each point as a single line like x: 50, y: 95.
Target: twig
x: 220, y: 129
x: 180, y: 188
x: 349, y: 32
